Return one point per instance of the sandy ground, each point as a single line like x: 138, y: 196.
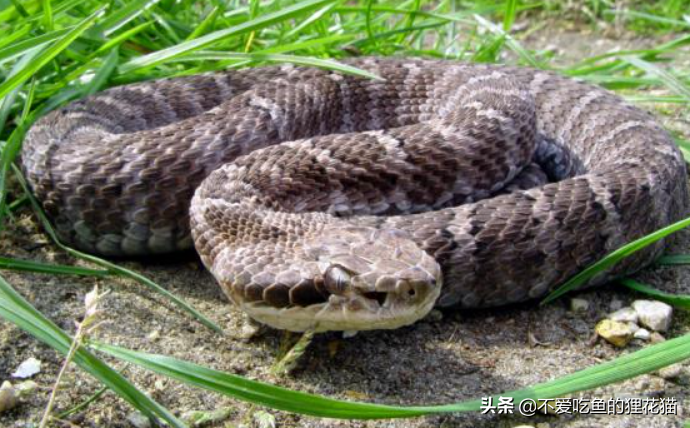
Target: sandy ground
x: 448, y: 357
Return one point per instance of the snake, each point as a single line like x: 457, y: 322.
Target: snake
x: 324, y: 200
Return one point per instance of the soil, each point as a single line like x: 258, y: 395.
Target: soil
x: 448, y: 357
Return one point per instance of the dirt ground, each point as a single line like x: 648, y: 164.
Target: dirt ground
x: 448, y: 357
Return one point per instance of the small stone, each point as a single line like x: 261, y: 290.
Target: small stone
x: 349, y: 334
x: 544, y: 425
x: 579, y: 305
x: 653, y: 314
x: 8, y: 397
x: 154, y: 335
x: 656, y: 337
x: 263, y: 419
x: 139, y: 420
x: 614, y: 332
x: 671, y: 372
x: 26, y: 388
x: 642, y: 334
x: 626, y: 314
x: 615, y: 305
x: 28, y: 368
x: 656, y: 387
x: 199, y: 419
x: 249, y: 329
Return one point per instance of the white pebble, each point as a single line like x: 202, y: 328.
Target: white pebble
x: 642, y: 334
x: 139, y: 420
x: 626, y: 314
x: 653, y: 314
x: 28, y: 368
x: 579, y: 305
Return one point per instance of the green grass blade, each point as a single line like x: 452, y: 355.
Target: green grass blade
x: 674, y: 259
x: 14, y: 50
x: 47, y: 55
x: 36, y: 267
x: 9, y: 152
x: 122, y: 16
x: 650, y: 17
x: 459, y: 17
x: 112, y: 267
x: 643, y: 361
x: 509, y: 15
x: 679, y: 301
x: 211, y: 38
x: 513, y: 44
x: 615, y: 257
x: 320, y: 42
x: 310, y: 20
x: 15, y: 309
x: 6, y: 106
x: 19, y: 8
x: 684, y: 146
x: 206, y: 23
x: 254, y: 391
x: 103, y: 73
x: 18, y: 33
x: 667, y: 78
x: 121, y: 38
x: 47, y: 15
x: 299, y: 60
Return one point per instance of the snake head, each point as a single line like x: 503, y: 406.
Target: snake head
x: 364, y: 278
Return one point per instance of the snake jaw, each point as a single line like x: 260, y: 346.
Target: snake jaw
x: 382, y: 282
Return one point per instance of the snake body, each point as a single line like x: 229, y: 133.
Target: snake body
x: 333, y: 202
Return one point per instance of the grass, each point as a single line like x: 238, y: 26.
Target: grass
x: 52, y: 52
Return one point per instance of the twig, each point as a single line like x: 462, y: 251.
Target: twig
x: 85, y: 327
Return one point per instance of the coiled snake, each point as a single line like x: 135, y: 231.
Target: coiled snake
x: 332, y: 202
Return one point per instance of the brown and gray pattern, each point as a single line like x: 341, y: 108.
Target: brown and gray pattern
x: 334, y: 202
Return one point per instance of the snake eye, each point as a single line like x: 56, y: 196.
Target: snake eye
x: 336, y: 279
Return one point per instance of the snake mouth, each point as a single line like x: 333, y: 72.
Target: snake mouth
x: 347, y: 305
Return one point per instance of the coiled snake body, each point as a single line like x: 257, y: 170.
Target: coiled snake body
x: 334, y: 202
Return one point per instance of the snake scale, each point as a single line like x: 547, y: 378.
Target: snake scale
x: 333, y: 202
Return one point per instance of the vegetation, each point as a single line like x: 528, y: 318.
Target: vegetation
x: 55, y: 51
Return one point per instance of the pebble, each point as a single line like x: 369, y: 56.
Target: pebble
x: 615, y: 305
x: 642, y: 334
x: 249, y: 329
x: 154, y: 335
x: 626, y: 314
x: 28, y: 368
x: 139, y: 420
x: 616, y: 333
x: 8, y: 397
x: 671, y: 372
x: 579, y: 305
x: 653, y: 314
x: 26, y: 388
x: 197, y: 418
x: 656, y: 337
x: 263, y: 419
